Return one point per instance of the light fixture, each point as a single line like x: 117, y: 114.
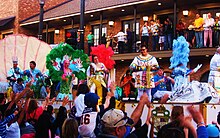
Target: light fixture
x: 91, y: 15
x: 159, y: 4
x: 185, y: 12
x: 122, y: 60
x: 64, y: 20
x: 57, y: 31
x: 160, y: 58
x: 41, y: 2
x: 206, y: 55
x: 123, y: 10
x: 145, y: 18
x: 111, y: 23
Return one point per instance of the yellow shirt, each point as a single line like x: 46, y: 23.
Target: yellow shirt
x: 198, y: 24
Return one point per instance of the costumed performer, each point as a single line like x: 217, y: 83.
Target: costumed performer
x: 143, y: 67
x: 96, y: 74
x: 14, y: 73
x: 183, y: 90
x: 214, y: 75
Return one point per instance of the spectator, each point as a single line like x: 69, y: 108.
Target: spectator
x: 217, y: 31
x: 129, y: 39
x: 121, y: 41
x: 70, y: 128
x: 213, y: 131
x: 208, y: 24
x: 198, y: 23
x: 18, y: 86
x: 180, y: 28
x: 161, y: 36
x: 167, y: 35
x: 176, y: 127
x: 117, y: 124
x: 154, y: 27
x: 145, y: 29
x: 103, y: 39
x: 90, y: 39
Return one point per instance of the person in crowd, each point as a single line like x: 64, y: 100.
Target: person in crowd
x: 180, y: 28
x: 129, y: 40
x: 217, y: 32
x: 208, y: 25
x: 145, y: 30
x: 61, y: 116
x: 161, y: 83
x: 121, y: 41
x: 213, y: 131
x: 96, y: 73
x: 176, y: 126
x: 90, y: 39
x: 89, y: 123
x: 167, y: 35
x: 191, y: 35
x: 70, y: 128
x: 142, y: 67
x: 14, y: 73
x: 110, y: 40
x: 103, y: 39
x: 116, y: 123
x: 198, y: 23
x: 214, y: 75
x: 127, y: 83
x: 18, y: 86
x: 4, y: 121
x: 79, y: 101
x: 154, y: 27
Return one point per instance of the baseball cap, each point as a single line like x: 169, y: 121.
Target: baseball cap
x: 213, y: 131
x: 91, y: 99
x: 116, y: 118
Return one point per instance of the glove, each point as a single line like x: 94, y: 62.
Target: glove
x: 197, y: 68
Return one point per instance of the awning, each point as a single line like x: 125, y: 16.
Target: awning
x: 4, y: 21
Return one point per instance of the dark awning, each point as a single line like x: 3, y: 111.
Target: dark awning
x: 4, y: 21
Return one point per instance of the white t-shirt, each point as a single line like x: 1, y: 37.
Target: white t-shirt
x: 13, y: 131
x: 121, y: 37
x: 79, y: 104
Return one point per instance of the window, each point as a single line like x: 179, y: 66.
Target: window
x: 96, y: 33
x: 217, y: 14
x: 50, y: 37
x: 204, y: 16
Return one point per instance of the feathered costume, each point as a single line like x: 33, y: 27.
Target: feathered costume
x: 183, y: 90
x: 97, y: 76
x: 78, y: 60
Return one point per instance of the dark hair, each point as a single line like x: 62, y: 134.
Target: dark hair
x: 176, y: 112
x: 138, y: 124
x: 82, y: 89
x: 50, y: 109
x: 144, y: 46
x: 70, y: 128
x: 32, y: 106
x: 33, y: 62
x: 93, y: 56
x: 173, y: 132
x: 19, y: 80
x: 2, y: 97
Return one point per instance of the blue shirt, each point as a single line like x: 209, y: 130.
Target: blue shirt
x: 17, y: 88
x: 162, y: 86
x: 3, y: 124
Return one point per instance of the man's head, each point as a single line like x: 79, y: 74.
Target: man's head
x: 209, y: 15
x: 152, y: 22
x: 160, y: 72
x: 143, y: 50
x: 177, y: 113
x: 32, y: 64
x: 197, y: 15
x: 218, y: 50
x: 115, y: 121
x: 20, y: 81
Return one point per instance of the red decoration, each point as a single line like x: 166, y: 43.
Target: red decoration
x: 104, y: 54
x: 68, y: 35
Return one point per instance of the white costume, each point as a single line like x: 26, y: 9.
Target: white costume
x: 141, y: 67
x: 214, y: 75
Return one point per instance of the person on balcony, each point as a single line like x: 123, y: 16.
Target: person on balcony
x: 198, y: 24
x: 90, y: 39
x: 121, y: 41
x: 145, y: 33
x: 217, y: 31
x: 155, y: 34
x: 167, y: 35
x: 208, y: 24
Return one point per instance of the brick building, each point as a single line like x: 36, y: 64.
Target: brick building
x: 63, y: 15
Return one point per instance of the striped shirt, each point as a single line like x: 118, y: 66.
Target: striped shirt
x: 3, y: 124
